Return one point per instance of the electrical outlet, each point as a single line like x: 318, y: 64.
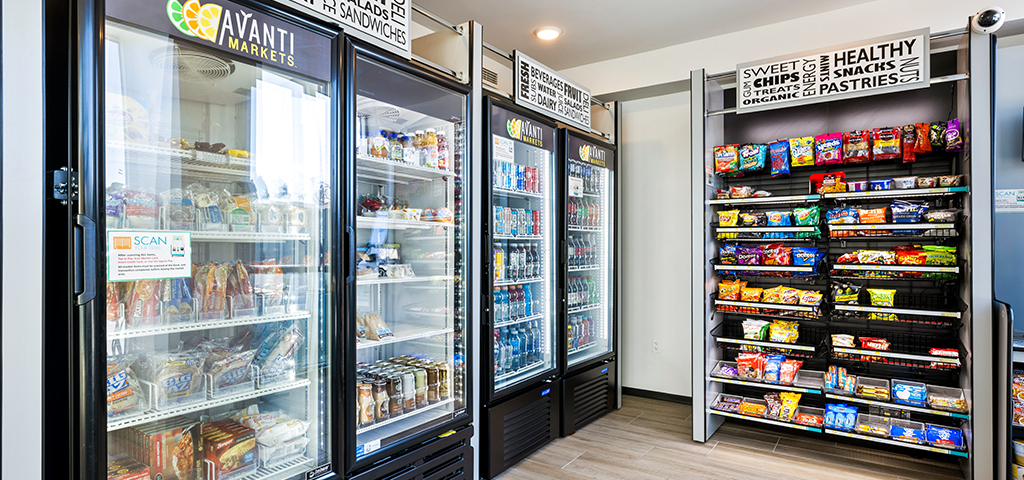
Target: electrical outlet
x: 657, y: 347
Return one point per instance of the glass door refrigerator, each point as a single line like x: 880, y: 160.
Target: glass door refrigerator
x: 406, y: 327
x: 520, y: 387
x: 207, y: 278
x: 588, y: 327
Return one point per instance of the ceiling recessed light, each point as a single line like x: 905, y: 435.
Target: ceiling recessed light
x: 547, y: 33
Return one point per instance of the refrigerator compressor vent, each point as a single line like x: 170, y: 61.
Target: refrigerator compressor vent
x: 490, y: 77
x: 590, y: 401
x: 193, y: 66
x: 526, y: 430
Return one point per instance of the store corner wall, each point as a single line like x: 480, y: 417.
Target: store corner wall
x: 653, y: 211
x: 22, y: 163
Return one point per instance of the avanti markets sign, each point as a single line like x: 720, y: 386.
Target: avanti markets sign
x: 384, y: 23
x: 881, y: 65
x: 540, y: 89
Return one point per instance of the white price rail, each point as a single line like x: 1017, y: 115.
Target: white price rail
x: 398, y: 224
x: 895, y: 268
x: 912, y: 192
x: 584, y: 308
x: 766, y: 268
x: 891, y: 226
x: 520, y: 372
x: 404, y: 416
x: 367, y: 165
x: 897, y: 406
x: 764, y: 229
x: 505, y: 283
x: 898, y: 311
x: 385, y: 280
x: 770, y: 386
x: 765, y: 200
x: 584, y: 268
x: 903, y: 356
x: 251, y: 237
x: 581, y: 349
x: 786, y: 346
x: 518, y: 321
x: 364, y: 343
x: 574, y: 228
x: 897, y: 443
x: 197, y: 326
x: 516, y: 193
x: 775, y: 306
x: 764, y: 420
x: 518, y: 237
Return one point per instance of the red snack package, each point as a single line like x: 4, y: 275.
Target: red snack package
x: 750, y: 365
x: 848, y: 258
x: 788, y: 372
x: 886, y: 143
x: 923, y: 144
x: 944, y: 352
x: 909, y: 141
x: 857, y: 147
x: 874, y: 343
x: 776, y: 254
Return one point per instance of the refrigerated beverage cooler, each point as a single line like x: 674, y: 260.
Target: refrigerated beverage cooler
x: 407, y: 328
x: 519, y: 370
x: 208, y: 245
x: 587, y: 351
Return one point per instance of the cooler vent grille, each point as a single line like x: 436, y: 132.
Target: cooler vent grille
x: 526, y: 430
x: 490, y: 76
x: 590, y: 401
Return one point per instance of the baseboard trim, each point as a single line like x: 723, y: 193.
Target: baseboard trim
x: 667, y: 397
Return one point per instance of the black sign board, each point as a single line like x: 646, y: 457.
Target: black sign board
x: 586, y: 152
x: 506, y: 124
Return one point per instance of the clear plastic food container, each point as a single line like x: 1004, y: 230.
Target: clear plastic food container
x: 873, y: 388
x: 946, y: 398
x: 906, y: 430
x: 874, y: 425
x: 812, y: 411
x: 909, y: 393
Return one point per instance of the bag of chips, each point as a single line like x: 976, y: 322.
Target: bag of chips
x: 909, y: 140
x: 806, y: 217
x: 941, y: 216
x: 810, y: 298
x: 727, y: 218
x: 828, y: 149
x: 779, y: 219
x: 727, y: 159
x: 904, y: 211
x: 727, y: 254
x: 790, y: 296
x: 857, y: 147
x: 804, y: 255
x: 937, y: 136
x: 752, y: 157
x: 772, y: 295
x: 729, y: 291
x: 801, y: 152
x: 874, y: 215
x: 954, y: 141
x: 783, y: 331
x: 788, y: 372
x: 886, y: 143
x: 939, y: 255
x: 842, y: 340
x: 755, y: 329
x: 876, y: 257
x: 779, y: 154
x: 776, y: 254
x: 750, y: 294
x: 845, y: 294
x: 772, y: 368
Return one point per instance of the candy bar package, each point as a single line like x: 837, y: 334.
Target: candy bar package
x: 857, y: 147
x: 727, y: 159
x: 828, y: 149
x: 801, y: 152
x: 909, y: 140
x: 752, y: 157
x: 779, y: 154
x: 954, y: 141
x: 937, y: 135
x: 885, y: 143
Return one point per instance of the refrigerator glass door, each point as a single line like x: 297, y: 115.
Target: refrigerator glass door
x: 410, y: 238
x: 523, y: 239
x: 589, y: 284
x: 218, y: 299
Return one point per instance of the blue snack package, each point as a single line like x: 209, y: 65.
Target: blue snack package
x: 944, y: 437
x: 906, y: 434
x: 804, y: 255
x: 727, y: 254
x: 772, y: 368
x: 909, y: 394
x: 779, y: 219
x: 779, y: 154
x: 752, y: 157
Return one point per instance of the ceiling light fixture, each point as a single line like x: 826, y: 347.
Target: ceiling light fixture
x: 547, y: 33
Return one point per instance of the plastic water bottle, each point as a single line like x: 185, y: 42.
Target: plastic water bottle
x: 527, y: 300
x: 498, y: 366
x: 514, y: 340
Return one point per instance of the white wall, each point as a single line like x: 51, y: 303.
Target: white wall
x: 653, y: 210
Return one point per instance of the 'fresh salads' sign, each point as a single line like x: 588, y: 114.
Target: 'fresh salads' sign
x: 880, y: 65
x: 384, y: 23
x: 539, y: 88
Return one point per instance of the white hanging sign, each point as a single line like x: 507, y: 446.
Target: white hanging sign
x: 540, y: 89
x: 384, y: 23
x: 880, y: 65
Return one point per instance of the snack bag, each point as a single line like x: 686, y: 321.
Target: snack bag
x: 727, y: 254
x: 752, y: 157
x: 741, y: 191
x: 783, y: 331
x: 749, y: 255
x: 804, y: 255
x: 751, y: 220
x: 857, y: 147
x: 772, y: 368
x: 908, y: 142
x: 886, y: 143
x: 845, y: 294
x: 801, y: 152
x: 755, y: 329
x: 904, y: 211
x: 842, y: 340
x: 790, y: 401
x: 874, y: 215
x: 779, y: 154
x: 881, y: 297
x: 142, y: 307
x: 750, y: 365
x: 923, y: 144
x: 774, y: 403
x: 727, y: 161
x: 779, y: 219
x: 729, y: 291
x: 727, y: 218
x: 811, y: 298
x: 772, y: 295
x: 828, y: 149
x: 750, y: 294
x: 124, y: 392
x: 790, y: 296
x: 787, y: 374
x: 954, y: 141
x: 937, y: 135
x: 806, y: 217
x: 776, y: 254
x: 141, y: 210
x: 938, y: 255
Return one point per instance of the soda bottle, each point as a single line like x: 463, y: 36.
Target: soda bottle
x: 585, y: 251
x: 527, y: 300
x: 528, y: 179
x: 497, y: 352
x: 442, y: 150
x: 499, y: 260
x: 528, y: 221
x: 536, y: 221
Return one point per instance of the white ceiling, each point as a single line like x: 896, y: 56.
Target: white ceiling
x: 596, y: 30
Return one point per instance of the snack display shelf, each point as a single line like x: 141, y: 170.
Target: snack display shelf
x: 367, y: 165
x: 790, y: 199
x: 591, y: 194
x: 773, y: 240
x: 898, y: 311
x: 515, y: 193
x: 398, y: 224
x: 890, y: 226
x: 764, y: 420
x: 815, y: 319
x: 385, y: 280
x: 165, y: 160
x: 505, y: 283
x: 519, y: 320
x: 197, y: 326
x: 581, y: 349
x: 810, y: 228
x: 405, y: 337
x: 910, y: 192
x: 257, y: 237
x: 770, y: 386
x: 766, y: 268
x: 952, y: 361
x: 897, y: 406
x: 895, y: 268
x: 285, y: 469
x: 897, y: 443
x: 154, y: 415
x: 574, y: 228
x: 518, y: 237
x: 528, y: 368
x: 584, y: 268
x: 404, y: 416
x: 773, y: 306
x: 785, y: 346
x: 583, y: 308
x: 420, y: 313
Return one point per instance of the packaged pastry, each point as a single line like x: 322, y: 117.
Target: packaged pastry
x: 828, y: 149
x: 752, y: 157
x: 857, y: 147
x: 779, y: 155
x: 141, y: 210
x: 177, y: 300
x: 909, y: 393
x: 909, y: 139
x: 115, y: 206
x: 950, y: 180
x: 772, y: 368
x: 142, y: 306
x: 927, y: 182
x: 801, y: 152
x: 884, y: 184
x: 945, y: 437
x: 727, y: 160
x: 276, y: 355
x: 885, y: 143
x: 907, y: 431
x: 787, y: 373
x: 858, y: 186
x: 127, y: 116
x: 904, y: 183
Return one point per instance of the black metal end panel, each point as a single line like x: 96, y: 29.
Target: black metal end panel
x: 587, y: 396
x: 449, y: 457
x: 518, y: 427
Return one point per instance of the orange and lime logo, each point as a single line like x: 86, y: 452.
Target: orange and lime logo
x: 515, y: 128
x: 195, y: 19
x: 585, y: 153
x: 122, y: 243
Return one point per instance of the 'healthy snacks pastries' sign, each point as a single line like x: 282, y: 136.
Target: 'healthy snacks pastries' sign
x: 880, y: 65
x: 539, y: 88
x: 384, y: 22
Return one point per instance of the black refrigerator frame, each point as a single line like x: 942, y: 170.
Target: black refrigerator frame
x: 354, y: 48
x: 74, y: 331
x: 489, y: 396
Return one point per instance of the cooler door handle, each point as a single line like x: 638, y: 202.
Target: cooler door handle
x: 85, y: 271
x: 350, y: 237
x: 486, y: 317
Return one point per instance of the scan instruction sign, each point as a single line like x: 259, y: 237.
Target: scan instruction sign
x: 540, y: 89
x: 148, y: 255
x: 881, y: 65
x: 384, y: 23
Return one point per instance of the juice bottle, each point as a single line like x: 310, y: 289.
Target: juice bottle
x: 431, y: 147
x: 417, y: 144
x: 380, y: 145
x: 395, y: 150
x: 442, y: 151
x: 408, y: 151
